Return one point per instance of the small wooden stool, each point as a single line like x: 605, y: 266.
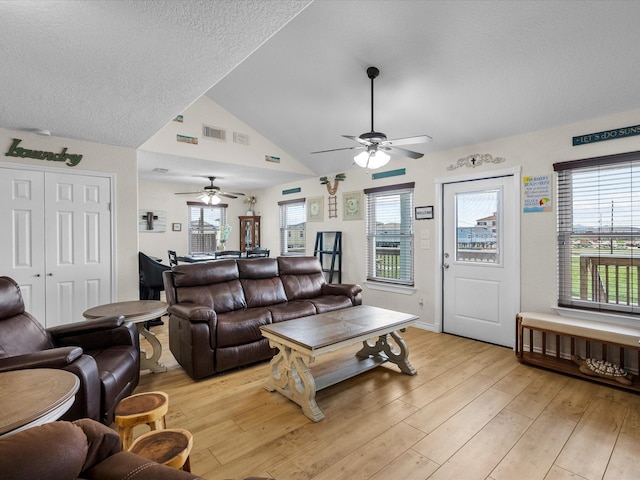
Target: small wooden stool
x: 170, y: 447
x: 149, y: 408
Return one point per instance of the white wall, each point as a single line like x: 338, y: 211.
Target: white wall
x: 534, y: 152
x: 119, y: 161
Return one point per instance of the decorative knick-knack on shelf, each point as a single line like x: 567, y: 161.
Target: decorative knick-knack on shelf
x: 251, y: 200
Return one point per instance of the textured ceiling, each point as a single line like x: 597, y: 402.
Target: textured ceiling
x: 462, y: 72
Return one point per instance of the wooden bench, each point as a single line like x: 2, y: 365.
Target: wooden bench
x: 575, y: 338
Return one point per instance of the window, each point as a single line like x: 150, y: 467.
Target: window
x: 390, y: 234
x: 204, y: 226
x: 599, y: 233
x: 293, y: 217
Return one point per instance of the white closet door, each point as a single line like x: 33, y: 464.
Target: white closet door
x: 78, y: 246
x: 22, y: 239
x: 56, y: 241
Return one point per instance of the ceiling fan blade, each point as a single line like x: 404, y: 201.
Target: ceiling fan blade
x: 234, y: 193
x: 189, y: 193
x: 338, y: 149
x: 220, y: 194
x: 401, y: 152
x: 407, y: 140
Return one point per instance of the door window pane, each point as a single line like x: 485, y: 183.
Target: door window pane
x: 477, y: 226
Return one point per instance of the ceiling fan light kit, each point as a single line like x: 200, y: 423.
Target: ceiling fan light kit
x: 374, y: 143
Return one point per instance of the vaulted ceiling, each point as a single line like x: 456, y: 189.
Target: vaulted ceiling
x: 462, y: 72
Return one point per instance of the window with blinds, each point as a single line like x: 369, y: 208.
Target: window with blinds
x: 390, y: 234
x: 293, y: 228
x: 599, y: 233
x: 204, y: 226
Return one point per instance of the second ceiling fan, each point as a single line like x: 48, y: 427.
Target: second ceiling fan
x: 375, y: 145
x: 210, y: 194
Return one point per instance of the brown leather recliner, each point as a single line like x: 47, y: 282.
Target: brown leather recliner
x: 103, y: 353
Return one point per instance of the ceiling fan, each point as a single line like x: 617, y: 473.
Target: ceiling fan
x: 210, y: 194
x: 375, y: 144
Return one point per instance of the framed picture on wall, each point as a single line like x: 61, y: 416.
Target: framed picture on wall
x: 176, y: 227
x: 315, y: 209
x: 352, y: 206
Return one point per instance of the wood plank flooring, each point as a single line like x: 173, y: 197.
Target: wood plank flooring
x: 471, y: 412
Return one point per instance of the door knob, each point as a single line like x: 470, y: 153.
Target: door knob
x: 445, y: 265
x: 49, y: 274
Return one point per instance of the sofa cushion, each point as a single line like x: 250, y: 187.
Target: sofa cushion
x: 237, y: 356
x: 263, y: 292
x: 302, y: 277
x: 196, y: 274
x: 241, y: 326
x: 257, y: 268
x: 328, y: 303
x: 291, y: 310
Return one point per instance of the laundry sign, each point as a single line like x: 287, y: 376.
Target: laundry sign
x: 69, y: 159
x: 607, y: 135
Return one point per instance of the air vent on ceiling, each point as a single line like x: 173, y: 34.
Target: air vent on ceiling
x: 160, y: 170
x: 213, y: 132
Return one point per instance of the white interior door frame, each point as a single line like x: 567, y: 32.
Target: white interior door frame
x: 439, y: 182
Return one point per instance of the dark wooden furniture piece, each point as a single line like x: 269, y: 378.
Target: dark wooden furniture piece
x: 249, y: 232
x: 301, y: 340
x: 173, y: 257
x: 553, y: 342
x: 328, y: 249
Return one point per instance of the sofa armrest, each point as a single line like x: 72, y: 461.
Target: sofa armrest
x: 194, y: 312
x: 348, y: 290
x: 102, y: 441
x: 52, y: 358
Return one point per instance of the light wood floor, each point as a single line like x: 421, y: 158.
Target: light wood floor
x: 471, y: 412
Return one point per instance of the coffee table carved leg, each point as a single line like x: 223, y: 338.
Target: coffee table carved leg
x: 393, y: 346
x: 290, y: 375
x: 152, y: 362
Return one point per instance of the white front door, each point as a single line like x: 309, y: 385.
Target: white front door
x: 480, y: 275
x: 58, y: 241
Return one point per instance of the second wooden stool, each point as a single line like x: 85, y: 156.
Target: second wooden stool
x: 170, y: 447
x: 144, y: 408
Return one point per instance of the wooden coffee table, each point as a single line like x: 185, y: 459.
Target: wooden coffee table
x: 138, y: 312
x: 301, y: 340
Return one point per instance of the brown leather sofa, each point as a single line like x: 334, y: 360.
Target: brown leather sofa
x: 83, y: 449
x: 216, y: 308
x: 103, y: 353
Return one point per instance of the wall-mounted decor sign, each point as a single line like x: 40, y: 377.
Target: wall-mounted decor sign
x: 69, y: 159
x: 272, y: 159
x: 424, y: 213
x: 152, y: 221
x: 187, y: 139
x: 537, y: 193
x: 607, y: 135
x: 291, y: 190
x: 475, y: 160
x: 389, y: 173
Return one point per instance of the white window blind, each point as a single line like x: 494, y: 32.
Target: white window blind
x: 204, y: 226
x: 390, y: 234
x: 293, y: 227
x: 599, y: 233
